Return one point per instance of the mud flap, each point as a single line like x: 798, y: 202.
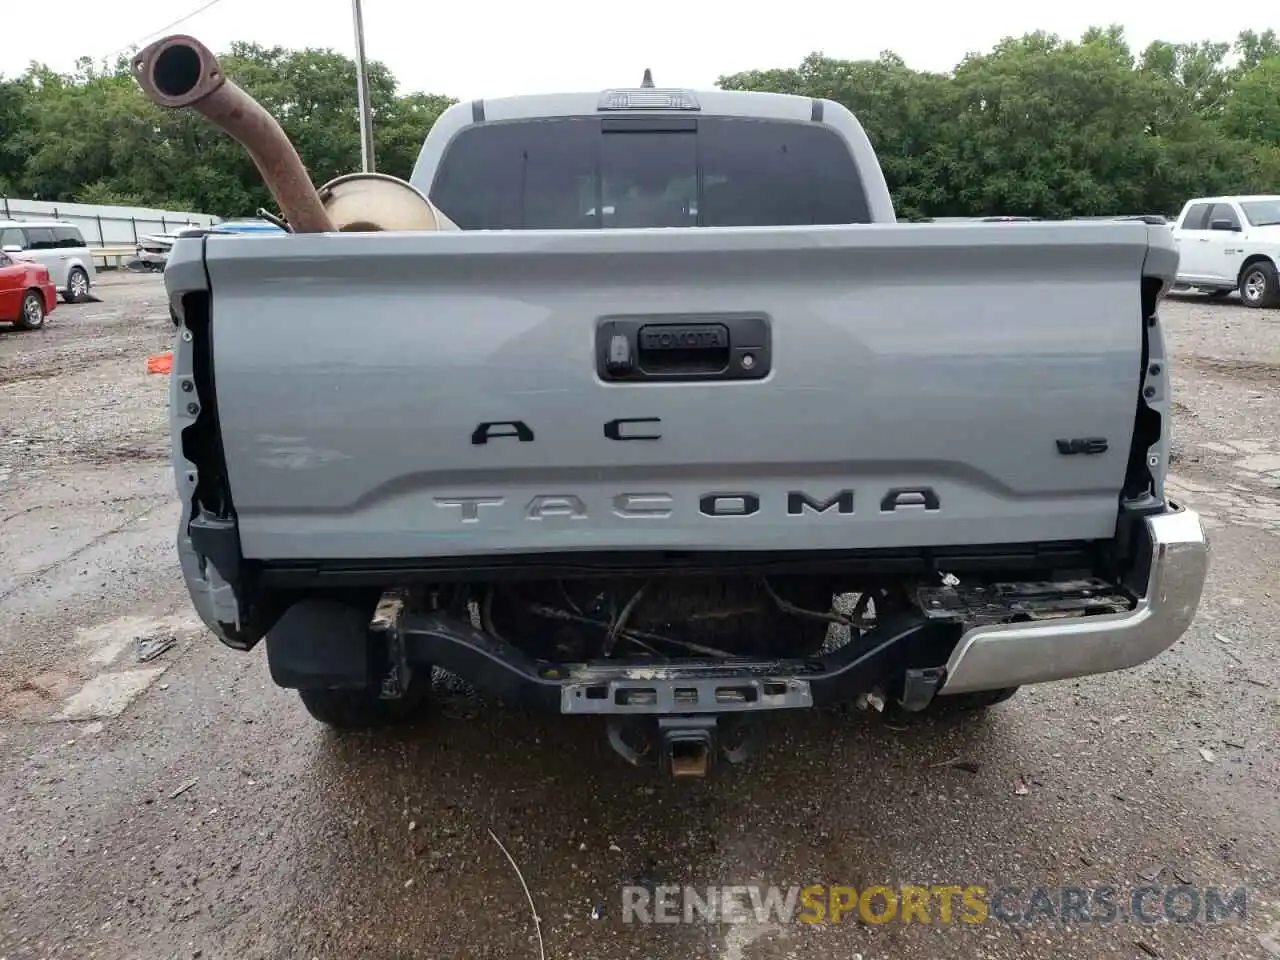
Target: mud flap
x: 322, y: 644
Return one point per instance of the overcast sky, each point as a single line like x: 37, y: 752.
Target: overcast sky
x: 479, y: 48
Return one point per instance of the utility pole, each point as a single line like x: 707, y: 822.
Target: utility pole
x: 362, y: 92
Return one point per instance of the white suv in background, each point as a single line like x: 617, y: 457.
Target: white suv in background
x: 1231, y: 243
x: 59, y: 246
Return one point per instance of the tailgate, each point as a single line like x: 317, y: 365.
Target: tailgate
x: 919, y: 380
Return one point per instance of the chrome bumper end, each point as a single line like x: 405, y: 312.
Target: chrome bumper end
x: 1015, y: 654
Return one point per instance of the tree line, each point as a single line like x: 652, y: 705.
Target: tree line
x: 1037, y: 126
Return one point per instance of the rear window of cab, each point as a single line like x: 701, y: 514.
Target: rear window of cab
x: 592, y: 173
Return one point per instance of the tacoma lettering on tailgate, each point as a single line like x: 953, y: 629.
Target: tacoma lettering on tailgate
x: 738, y: 503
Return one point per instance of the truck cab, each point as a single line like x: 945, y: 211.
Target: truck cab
x: 646, y: 158
x: 1231, y: 243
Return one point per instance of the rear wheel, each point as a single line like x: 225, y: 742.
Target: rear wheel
x: 1259, y: 284
x: 33, y: 313
x: 365, y: 709
x: 77, y: 286
x: 972, y: 702
x: 955, y: 705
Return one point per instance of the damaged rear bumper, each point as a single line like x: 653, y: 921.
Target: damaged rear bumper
x: 1013, y: 654
x: 911, y: 658
x: 662, y: 687
x: 907, y: 656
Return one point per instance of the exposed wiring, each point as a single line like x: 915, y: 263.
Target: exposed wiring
x: 635, y: 636
x: 785, y: 607
x: 614, y: 625
x: 166, y: 28
x: 564, y: 592
x: 620, y: 621
x: 487, y: 623
x: 486, y: 615
x: 537, y: 924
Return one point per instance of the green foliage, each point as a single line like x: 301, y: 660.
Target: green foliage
x: 92, y: 137
x: 1253, y: 112
x: 1037, y: 126
x: 1043, y: 127
x: 101, y: 192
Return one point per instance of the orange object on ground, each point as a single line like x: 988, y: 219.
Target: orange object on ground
x: 160, y: 363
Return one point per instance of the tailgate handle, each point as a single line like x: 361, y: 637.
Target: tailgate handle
x: 728, y: 347
x: 683, y: 347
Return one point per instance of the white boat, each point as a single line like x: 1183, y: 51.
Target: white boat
x: 153, y: 250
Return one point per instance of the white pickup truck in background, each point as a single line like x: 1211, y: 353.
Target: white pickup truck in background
x: 1231, y: 243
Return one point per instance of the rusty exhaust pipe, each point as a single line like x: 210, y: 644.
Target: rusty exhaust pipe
x: 180, y: 71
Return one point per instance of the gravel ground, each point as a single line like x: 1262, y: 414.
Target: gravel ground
x: 288, y: 841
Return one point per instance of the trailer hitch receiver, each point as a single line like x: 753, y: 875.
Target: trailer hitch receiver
x: 688, y: 744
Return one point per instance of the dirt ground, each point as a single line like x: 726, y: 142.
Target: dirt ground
x: 185, y: 807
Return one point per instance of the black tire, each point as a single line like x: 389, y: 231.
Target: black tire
x: 32, y: 315
x: 365, y: 709
x: 1259, y: 284
x: 77, y: 286
x: 955, y: 705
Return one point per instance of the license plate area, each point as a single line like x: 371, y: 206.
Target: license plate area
x: 706, y: 347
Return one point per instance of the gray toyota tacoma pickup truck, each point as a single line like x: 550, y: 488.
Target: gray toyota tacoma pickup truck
x: 673, y: 428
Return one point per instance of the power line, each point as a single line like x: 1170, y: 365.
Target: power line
x: 167, y: 27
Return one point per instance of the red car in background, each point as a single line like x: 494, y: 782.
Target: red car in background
x: 26, y: 293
